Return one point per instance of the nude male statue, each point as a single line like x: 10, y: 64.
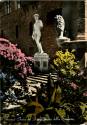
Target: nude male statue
x: 36, y: 35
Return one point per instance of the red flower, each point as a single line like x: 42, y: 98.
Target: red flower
x: 85, y: 93
x: 74, y: 86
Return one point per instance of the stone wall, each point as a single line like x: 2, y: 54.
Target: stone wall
x: 85, y: 19
x: 21, y: 20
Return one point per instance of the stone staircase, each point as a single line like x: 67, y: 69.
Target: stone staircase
x: 41, y: 78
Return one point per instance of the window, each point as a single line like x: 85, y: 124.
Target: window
x: 52, y: 14
x: 37, y: 64
x: 34, y: 4
x: 17, y: 31
x: 31, y: 50
x: 18, y: 4
x: 30, y: 28
x: 2, y: 33
x: 81, y: 20
x: 44, y: 64
x: 7, y: 7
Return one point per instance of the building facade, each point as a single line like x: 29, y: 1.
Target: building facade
x: 16, y: 22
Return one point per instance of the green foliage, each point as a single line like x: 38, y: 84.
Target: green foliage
x: 83, y: 107
x: 65, y: 63
x: 63, y: 100
x: 56, y: 96
x: 61, y: 112
x: 37, y: 106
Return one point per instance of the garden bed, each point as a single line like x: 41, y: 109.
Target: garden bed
x: 59, y: 98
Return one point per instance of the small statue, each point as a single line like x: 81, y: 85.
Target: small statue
x: 37, y: 32
x: 60, y: 25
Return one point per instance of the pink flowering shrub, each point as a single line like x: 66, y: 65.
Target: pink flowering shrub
x: 20, y: 63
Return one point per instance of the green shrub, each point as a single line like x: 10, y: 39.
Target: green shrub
x: 65, y: 63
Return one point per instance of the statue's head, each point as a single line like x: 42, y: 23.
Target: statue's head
x: 36, y: 16
x: 58, y: 17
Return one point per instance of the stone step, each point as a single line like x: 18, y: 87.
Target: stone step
x: 41, y: 78
x: 35, y: 80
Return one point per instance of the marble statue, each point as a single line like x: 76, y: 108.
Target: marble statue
x: 36, y: 35
x: 60, y: 25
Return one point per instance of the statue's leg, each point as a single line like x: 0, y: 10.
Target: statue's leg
x: 39, y: 45
x: 41, y: 50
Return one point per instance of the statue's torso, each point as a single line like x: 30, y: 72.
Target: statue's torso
x: 37, y: 26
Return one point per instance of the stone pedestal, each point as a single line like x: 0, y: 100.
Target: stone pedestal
x: 41, y: 61
x: 61, y: 40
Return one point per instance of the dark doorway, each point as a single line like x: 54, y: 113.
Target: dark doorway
x: 30, y: 28
x: 52, y: 14
x: 17, y: 31
x: 79, y: 53
x: 2, y: 33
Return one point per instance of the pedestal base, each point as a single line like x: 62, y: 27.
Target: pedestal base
x: 41, y: 61
x: 61, y: 40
